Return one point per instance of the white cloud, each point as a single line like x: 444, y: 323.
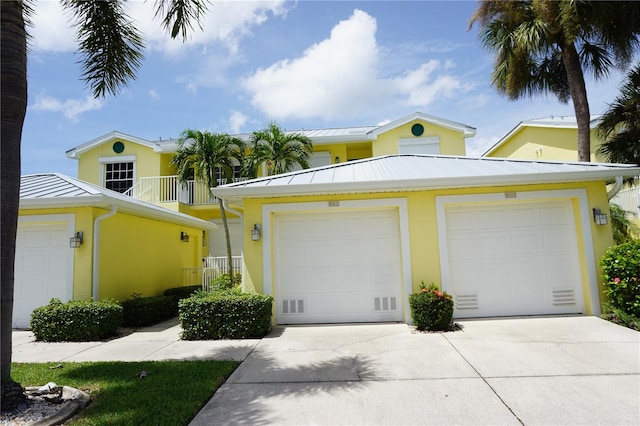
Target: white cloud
x: 225, y: 23
x: 154, y: 95
x: 237, y: 120
x: 70, y: 108
x: 342, y: 76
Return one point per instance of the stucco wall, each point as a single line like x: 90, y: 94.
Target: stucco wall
x: 424, y: 247
x: 451, y: 142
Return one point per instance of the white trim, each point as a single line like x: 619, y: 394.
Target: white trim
x: 410, y: 145
x: 70, y: 219
x: 268, y: 210
x: 119, y: 159
x: 584, y: 220
x: 116, y: 160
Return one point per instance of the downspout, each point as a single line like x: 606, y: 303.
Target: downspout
x: 96, y: 243
x: 239, y: 214
x: 616, y: 188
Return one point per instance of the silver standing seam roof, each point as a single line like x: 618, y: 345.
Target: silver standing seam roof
x: 55, y: 190
x: 412, y: 172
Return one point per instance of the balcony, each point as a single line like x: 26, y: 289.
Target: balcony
x: 167, y: 189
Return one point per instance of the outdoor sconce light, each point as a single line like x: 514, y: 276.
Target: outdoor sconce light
x: 77, y: 240
x: 184, y: 237
x: 255, y: 232
x: 599, y: 217
x: 337, y: 160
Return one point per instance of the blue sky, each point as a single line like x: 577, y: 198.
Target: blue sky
x: 305, y: 64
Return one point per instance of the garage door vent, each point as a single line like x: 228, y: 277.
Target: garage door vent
x: 564, y: 297
x: 385, y: 304
x: 293, y: 306
x: 466, y: 301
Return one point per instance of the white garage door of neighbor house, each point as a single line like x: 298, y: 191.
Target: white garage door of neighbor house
x: 513, y: 259
x: 338, y: 267
x: 42, y: 269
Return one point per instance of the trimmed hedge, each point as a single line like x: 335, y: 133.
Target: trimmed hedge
x: 225, y: 315
x: 143, y: 311
x: 178, y: 293
x: 76, y: 321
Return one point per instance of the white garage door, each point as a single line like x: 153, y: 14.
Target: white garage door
x: 338, y: 267
x: 43, y: 260
x: 513, y: 259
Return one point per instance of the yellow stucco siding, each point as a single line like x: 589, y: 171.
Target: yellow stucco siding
x: 147, y: 162
x: 423, y: 230
x: 145, y: 256
x: 137, y: 255
x: 451, y: 142
x: 545, y: 143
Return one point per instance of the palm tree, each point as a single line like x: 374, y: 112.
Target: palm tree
x: 620, y: 124
x: 204, y: 156
x: 624, y: 229
x: 547, y: 45
x: 111, y: 48
x: 278, y: 150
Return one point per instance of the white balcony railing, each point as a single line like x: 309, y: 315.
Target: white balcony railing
x: 629, y: 200
x: 167, y: 189
x: 212, y: 268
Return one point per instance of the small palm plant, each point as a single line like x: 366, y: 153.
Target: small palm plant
x: 277, y: 150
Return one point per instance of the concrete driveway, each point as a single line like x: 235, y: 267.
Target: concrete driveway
x: 556, y: 370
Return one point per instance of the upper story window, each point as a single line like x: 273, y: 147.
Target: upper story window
x: 118, y: 173
x: 237, y: 175
x: 118, y: 176
x: 428, y: 145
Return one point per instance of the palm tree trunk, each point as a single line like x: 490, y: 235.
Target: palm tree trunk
x: 13, y: 86
x: 578, y: 92
x: 223, y: 214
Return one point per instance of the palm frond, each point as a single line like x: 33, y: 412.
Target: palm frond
x: 178, y: 16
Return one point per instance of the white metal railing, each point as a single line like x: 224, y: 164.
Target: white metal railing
x: 212, y: 268
x: 167, y: 189
x: 628, y: 199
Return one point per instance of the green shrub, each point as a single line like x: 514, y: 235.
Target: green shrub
x: 431, y: 309
x: 178, y: 293
x: 225, y: 282
x: 616, y: 316
x: 227, y: 314
x: 76, y: 321
x: 621, y: 272
x: 143, y: 311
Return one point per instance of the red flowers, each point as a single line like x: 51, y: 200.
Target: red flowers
x: 616, y: 280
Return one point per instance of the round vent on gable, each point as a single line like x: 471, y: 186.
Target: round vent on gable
x: 118, y: 147
x: 417, y: 130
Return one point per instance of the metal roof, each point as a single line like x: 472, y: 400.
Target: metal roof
x: 49, y: 190
x: 317, y: 136
x: 411, y: 172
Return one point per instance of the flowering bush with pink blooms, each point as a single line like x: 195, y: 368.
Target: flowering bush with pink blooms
x: 621, y: 274
x: 431, y: 309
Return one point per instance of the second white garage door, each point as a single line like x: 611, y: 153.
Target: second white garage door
x: 338, y: 267
x: 513, y: 259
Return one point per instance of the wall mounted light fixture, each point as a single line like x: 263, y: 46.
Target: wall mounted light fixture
x: 599, y: 217
x: 184, y: 237
x: 337, y: 160
x: 77, y: 240
x: 255, y: 232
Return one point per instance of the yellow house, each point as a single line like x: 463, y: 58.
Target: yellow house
x: 349, y: 242
x: 78, y: 241
x: 141, y: 168
x: 556, y: 139
x: 545, y: 139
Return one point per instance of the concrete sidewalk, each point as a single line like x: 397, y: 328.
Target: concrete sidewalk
x: 555, y: 370
x: 157, y: 343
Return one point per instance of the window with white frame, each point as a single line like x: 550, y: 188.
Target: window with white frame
x: 428, y: 145
x: 119, y: 176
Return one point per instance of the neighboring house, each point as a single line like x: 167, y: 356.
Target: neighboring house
x: 549, y: 138
x: 349, y: 242
x: 556, y: 139
x: 123, y: 245
x: 142, y: 169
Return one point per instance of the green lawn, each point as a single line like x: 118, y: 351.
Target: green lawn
x: 172, y: 393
